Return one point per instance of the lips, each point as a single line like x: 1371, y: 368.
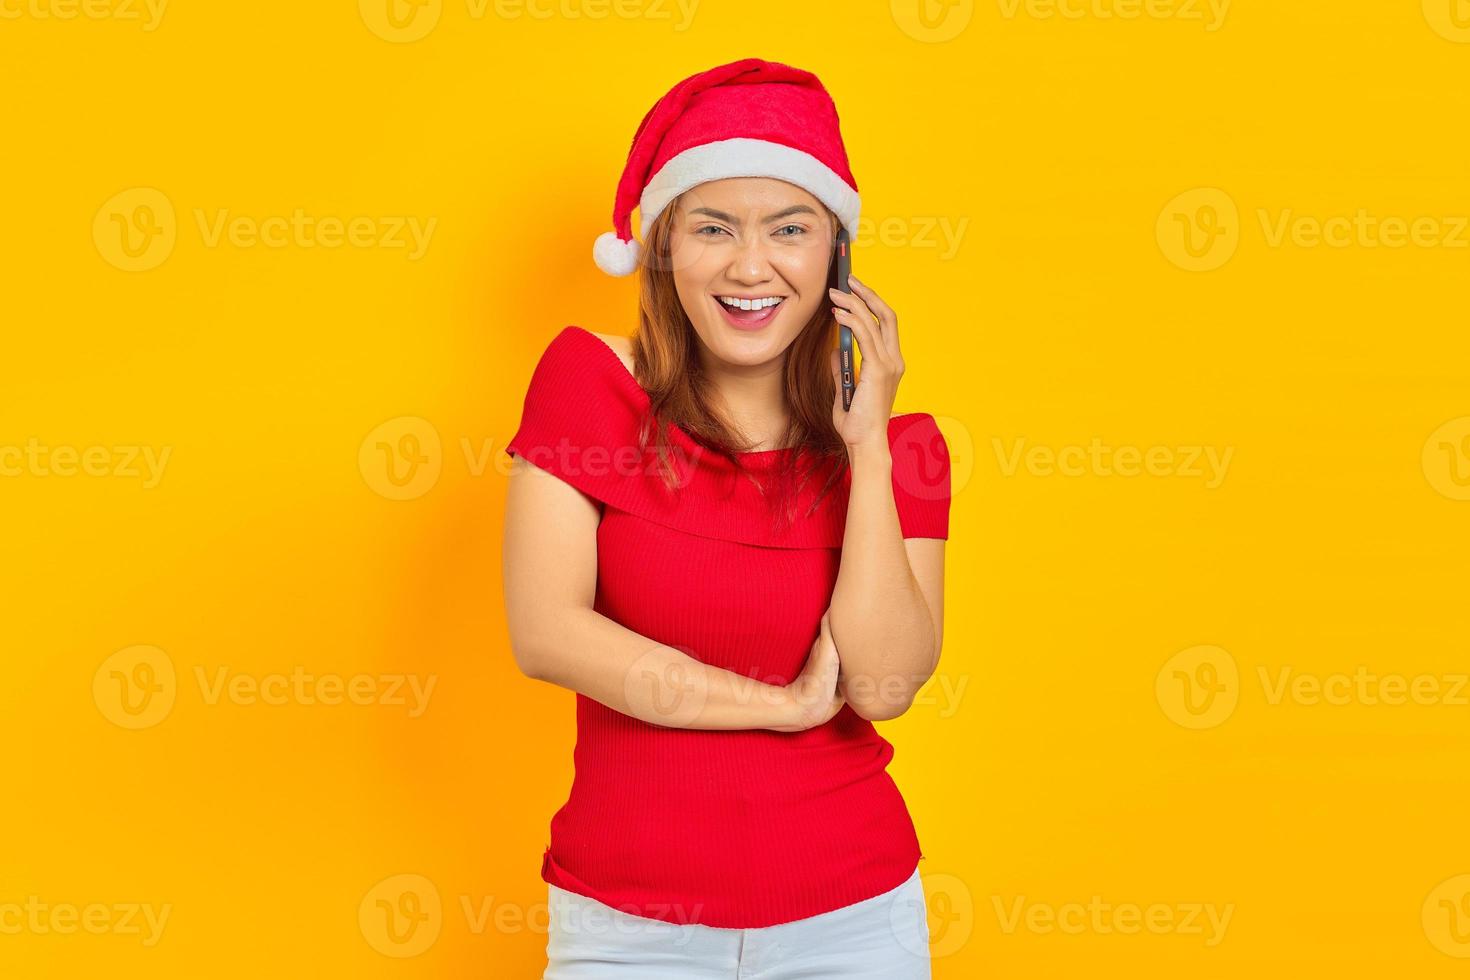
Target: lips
x: 748, y: 319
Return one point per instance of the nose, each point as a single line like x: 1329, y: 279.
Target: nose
x: 750, y: 264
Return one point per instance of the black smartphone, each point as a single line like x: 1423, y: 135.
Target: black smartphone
x: 844, y: 343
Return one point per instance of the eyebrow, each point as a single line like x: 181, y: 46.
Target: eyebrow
x: 731, y: 219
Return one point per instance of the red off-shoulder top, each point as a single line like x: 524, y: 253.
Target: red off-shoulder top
x: 735, y: 829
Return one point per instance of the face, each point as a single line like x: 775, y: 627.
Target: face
x: 750, y: 238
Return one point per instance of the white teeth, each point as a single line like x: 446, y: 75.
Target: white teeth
x: 749, y: 304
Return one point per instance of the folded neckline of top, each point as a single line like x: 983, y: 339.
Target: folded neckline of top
x: 622, y: 370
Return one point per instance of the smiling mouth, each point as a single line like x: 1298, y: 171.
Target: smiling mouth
x: 750, y: 319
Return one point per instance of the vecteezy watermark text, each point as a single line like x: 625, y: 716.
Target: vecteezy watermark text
x: 1203, y: 919
x: 40, y: 918
x: 36, y: 459
x: 137, y: 687
x: 148, y: 13
x: 1100, y: 460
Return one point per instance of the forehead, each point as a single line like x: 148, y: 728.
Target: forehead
x: 742, y: 195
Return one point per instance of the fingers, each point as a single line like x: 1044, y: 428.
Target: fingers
x: 851, y: 301
x: 874, y: 302
x: 827, y: 632
x: 887, y: 318
x: 854, y: 304
x: 862, y: 330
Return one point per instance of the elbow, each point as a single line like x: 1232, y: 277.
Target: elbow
x: 880, y: 710
x: 527, y: 655
x: 538, y: 640
x: 889, y: 696
x: 529, y: 666
x: 878, y: 701
x: 531, y: 669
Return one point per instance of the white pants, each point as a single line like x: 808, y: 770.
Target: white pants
x: 882, y: 938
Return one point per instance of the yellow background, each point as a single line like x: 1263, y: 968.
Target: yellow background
x: 1072, y: 763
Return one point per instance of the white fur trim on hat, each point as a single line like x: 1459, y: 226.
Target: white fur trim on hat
x: 615, y: 256
x: 745, y: 157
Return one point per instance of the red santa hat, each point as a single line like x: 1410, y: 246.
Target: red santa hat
x: 750, y: 118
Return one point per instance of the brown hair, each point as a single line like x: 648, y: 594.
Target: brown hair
x: 666, y: 364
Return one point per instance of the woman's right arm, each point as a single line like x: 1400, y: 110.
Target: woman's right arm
x: 549, y: 571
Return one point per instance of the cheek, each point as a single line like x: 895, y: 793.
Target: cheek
x: 694, y: 263
x: 806, y: 269
x: 807, y: 273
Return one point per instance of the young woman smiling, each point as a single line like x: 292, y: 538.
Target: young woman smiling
x: 736, y: 576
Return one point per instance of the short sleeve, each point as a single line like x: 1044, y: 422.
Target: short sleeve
x: 577, y: 422
x: 921, y: 465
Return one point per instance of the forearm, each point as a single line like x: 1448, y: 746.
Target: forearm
x: 880, y: 620
x: 586, y: 652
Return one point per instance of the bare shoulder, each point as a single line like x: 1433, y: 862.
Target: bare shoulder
x: 621, y: 346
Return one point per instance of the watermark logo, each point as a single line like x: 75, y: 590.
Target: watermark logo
x: 670, y: 691
x: 135, y: 687
x: 932, y: 21
x: 933, y: 463
x: 948, y: 917
x: 1450, y: 19
x: 135, y: 229
x: 408, y: 691
x: 941, y: 690
x: 138, y: 686
x: 36, y: 459
x: 1446, y: 916
x: 1097, y: 459
x: 1209, y: 13
x: 147, y: 13
x: 1362, y: 687
x: 1446, y: 458
x: 923, y: 232
x: 1205, y: 920
x: 401, y: 21
x: 401, y: 458
x: 1199, y: 687
x: 38, y: 918
x: 307, y: 231
x: 1363, y: 229
x: 405, y: 21
x: 401, y: 916
x: 1199, y: 230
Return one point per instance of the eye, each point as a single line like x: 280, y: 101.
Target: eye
x: 705, y: 228
x: 799, y: 230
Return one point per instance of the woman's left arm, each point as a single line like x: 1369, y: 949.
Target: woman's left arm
x: 887, y: 609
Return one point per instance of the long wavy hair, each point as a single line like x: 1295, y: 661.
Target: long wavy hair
x: 666, y: 364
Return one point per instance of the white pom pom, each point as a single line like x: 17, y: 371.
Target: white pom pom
x: 615, y: 256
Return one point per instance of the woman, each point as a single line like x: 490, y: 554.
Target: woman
x: 736, y: 575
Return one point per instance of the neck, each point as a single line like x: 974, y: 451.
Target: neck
x: 752, y: 397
